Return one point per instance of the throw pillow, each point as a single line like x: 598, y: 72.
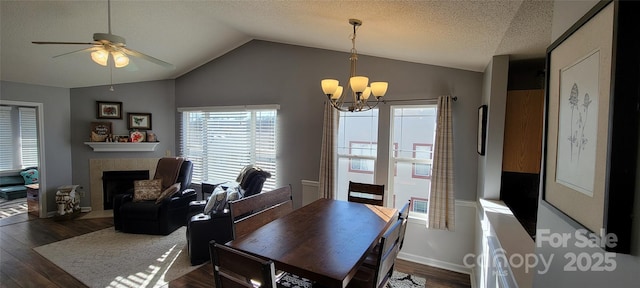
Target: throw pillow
x: 30, y: 176
x: 217, y: 201
x: 168, y: 193
x: 233, y: 194
x: 147, y: 189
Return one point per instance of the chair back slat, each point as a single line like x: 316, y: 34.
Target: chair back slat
x: 235, y: 269
x: 366, y: 193
x: 389, y: 248
x: 403, y: 230
x: 404, y: 211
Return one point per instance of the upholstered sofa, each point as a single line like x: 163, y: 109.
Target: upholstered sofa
x: 12, y: 185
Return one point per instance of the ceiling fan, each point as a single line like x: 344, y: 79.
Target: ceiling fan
x: 107, y: 45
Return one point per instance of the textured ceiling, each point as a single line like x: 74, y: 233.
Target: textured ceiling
x: 457, y: 34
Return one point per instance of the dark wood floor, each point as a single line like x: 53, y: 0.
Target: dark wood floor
x: 20, y: 266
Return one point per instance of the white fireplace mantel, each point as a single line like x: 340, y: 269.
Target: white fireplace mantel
x: 122, y: 146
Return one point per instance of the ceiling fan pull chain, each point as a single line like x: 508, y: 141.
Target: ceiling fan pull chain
x: 111, y: 75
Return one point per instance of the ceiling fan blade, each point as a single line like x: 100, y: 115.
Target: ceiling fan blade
x: 71, y: 43
x: 147, y: 57
x: 77, y: 51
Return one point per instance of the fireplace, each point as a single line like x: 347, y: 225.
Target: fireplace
x: 118, y: 182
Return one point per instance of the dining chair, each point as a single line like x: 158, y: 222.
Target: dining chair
x: 403, y: 213
x: 378, y: 276
x: 366, y: 193
x: 404, y: 216
x: 235, y: 269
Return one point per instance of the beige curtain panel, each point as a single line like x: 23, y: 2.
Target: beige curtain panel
x: 442, y: 197
x: 327, y: 153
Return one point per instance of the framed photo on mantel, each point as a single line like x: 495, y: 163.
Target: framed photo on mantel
x: 100, y: 131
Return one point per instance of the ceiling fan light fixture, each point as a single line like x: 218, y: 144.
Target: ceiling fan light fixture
x: 119, y: 59
x: 101, y: 57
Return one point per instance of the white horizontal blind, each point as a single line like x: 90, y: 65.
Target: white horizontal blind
x: 221, y: 143
x: 28, y: 136
x: 6, y: 139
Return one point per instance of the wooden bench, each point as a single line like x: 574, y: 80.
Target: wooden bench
x: 245, y: 215
x: 250, y: 213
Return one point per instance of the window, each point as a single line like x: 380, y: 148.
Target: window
x: 357, y: 149
x: 362, y: 149
x: 419, y: 205
x: 413, y: 128
x: 18, y: 138
x: 421, y: 152
x: 221, y: 142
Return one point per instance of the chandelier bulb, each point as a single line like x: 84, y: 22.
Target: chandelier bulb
x: 329, y: 86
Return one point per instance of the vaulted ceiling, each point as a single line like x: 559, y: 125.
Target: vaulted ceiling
x: 458, y: 34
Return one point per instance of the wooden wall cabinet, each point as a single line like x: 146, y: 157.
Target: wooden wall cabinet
x: 522, y: 148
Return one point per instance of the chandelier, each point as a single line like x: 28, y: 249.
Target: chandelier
x: 359, y: 85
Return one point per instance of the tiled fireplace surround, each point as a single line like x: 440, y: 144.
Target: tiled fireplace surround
x: 97, y: 166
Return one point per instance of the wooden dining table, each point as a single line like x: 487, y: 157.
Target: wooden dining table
x: 325, y: 241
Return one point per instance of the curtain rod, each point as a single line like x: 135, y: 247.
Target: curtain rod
x: 454, y: 98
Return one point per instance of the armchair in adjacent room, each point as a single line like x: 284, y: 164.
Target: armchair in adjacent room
x: 158, y: 206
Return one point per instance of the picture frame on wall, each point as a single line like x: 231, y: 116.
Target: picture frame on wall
x: 586, y: 108
x: 482, y: 129
x: 140, y: 121
x: 108, y: 110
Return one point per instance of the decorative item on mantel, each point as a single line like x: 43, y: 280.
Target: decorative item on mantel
x: 100, y: 131
x: 360, y: 91
x: 137, y: 136
x: 151, y: 137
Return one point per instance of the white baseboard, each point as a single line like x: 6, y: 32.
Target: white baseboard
x: 85, y: 209
x: 434, y: 263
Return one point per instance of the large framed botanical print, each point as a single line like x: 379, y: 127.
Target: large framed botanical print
x: 591, y: 129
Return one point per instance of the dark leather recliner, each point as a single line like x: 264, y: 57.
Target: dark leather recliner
x: 147, y: 217
x: 216, y: 225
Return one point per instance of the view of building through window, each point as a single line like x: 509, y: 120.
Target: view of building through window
x: 412, y: 132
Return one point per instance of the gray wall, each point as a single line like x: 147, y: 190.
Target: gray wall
x: 57, y: 135
x: 261, y: 72
x: 627, y: 266
x: 155, y: 97
x: 494, y: 95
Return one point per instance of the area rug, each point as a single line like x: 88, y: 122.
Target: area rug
x: 107, y: 258
x: 398, y: 280
x: 402, y: 280
x: 12, y: 207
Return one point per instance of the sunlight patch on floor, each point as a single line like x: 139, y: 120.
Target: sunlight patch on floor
x: 153, y: 276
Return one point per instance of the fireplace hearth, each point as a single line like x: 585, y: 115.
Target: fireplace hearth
x: 119, y: 182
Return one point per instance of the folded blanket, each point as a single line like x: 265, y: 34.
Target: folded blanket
x: 168, y: 170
